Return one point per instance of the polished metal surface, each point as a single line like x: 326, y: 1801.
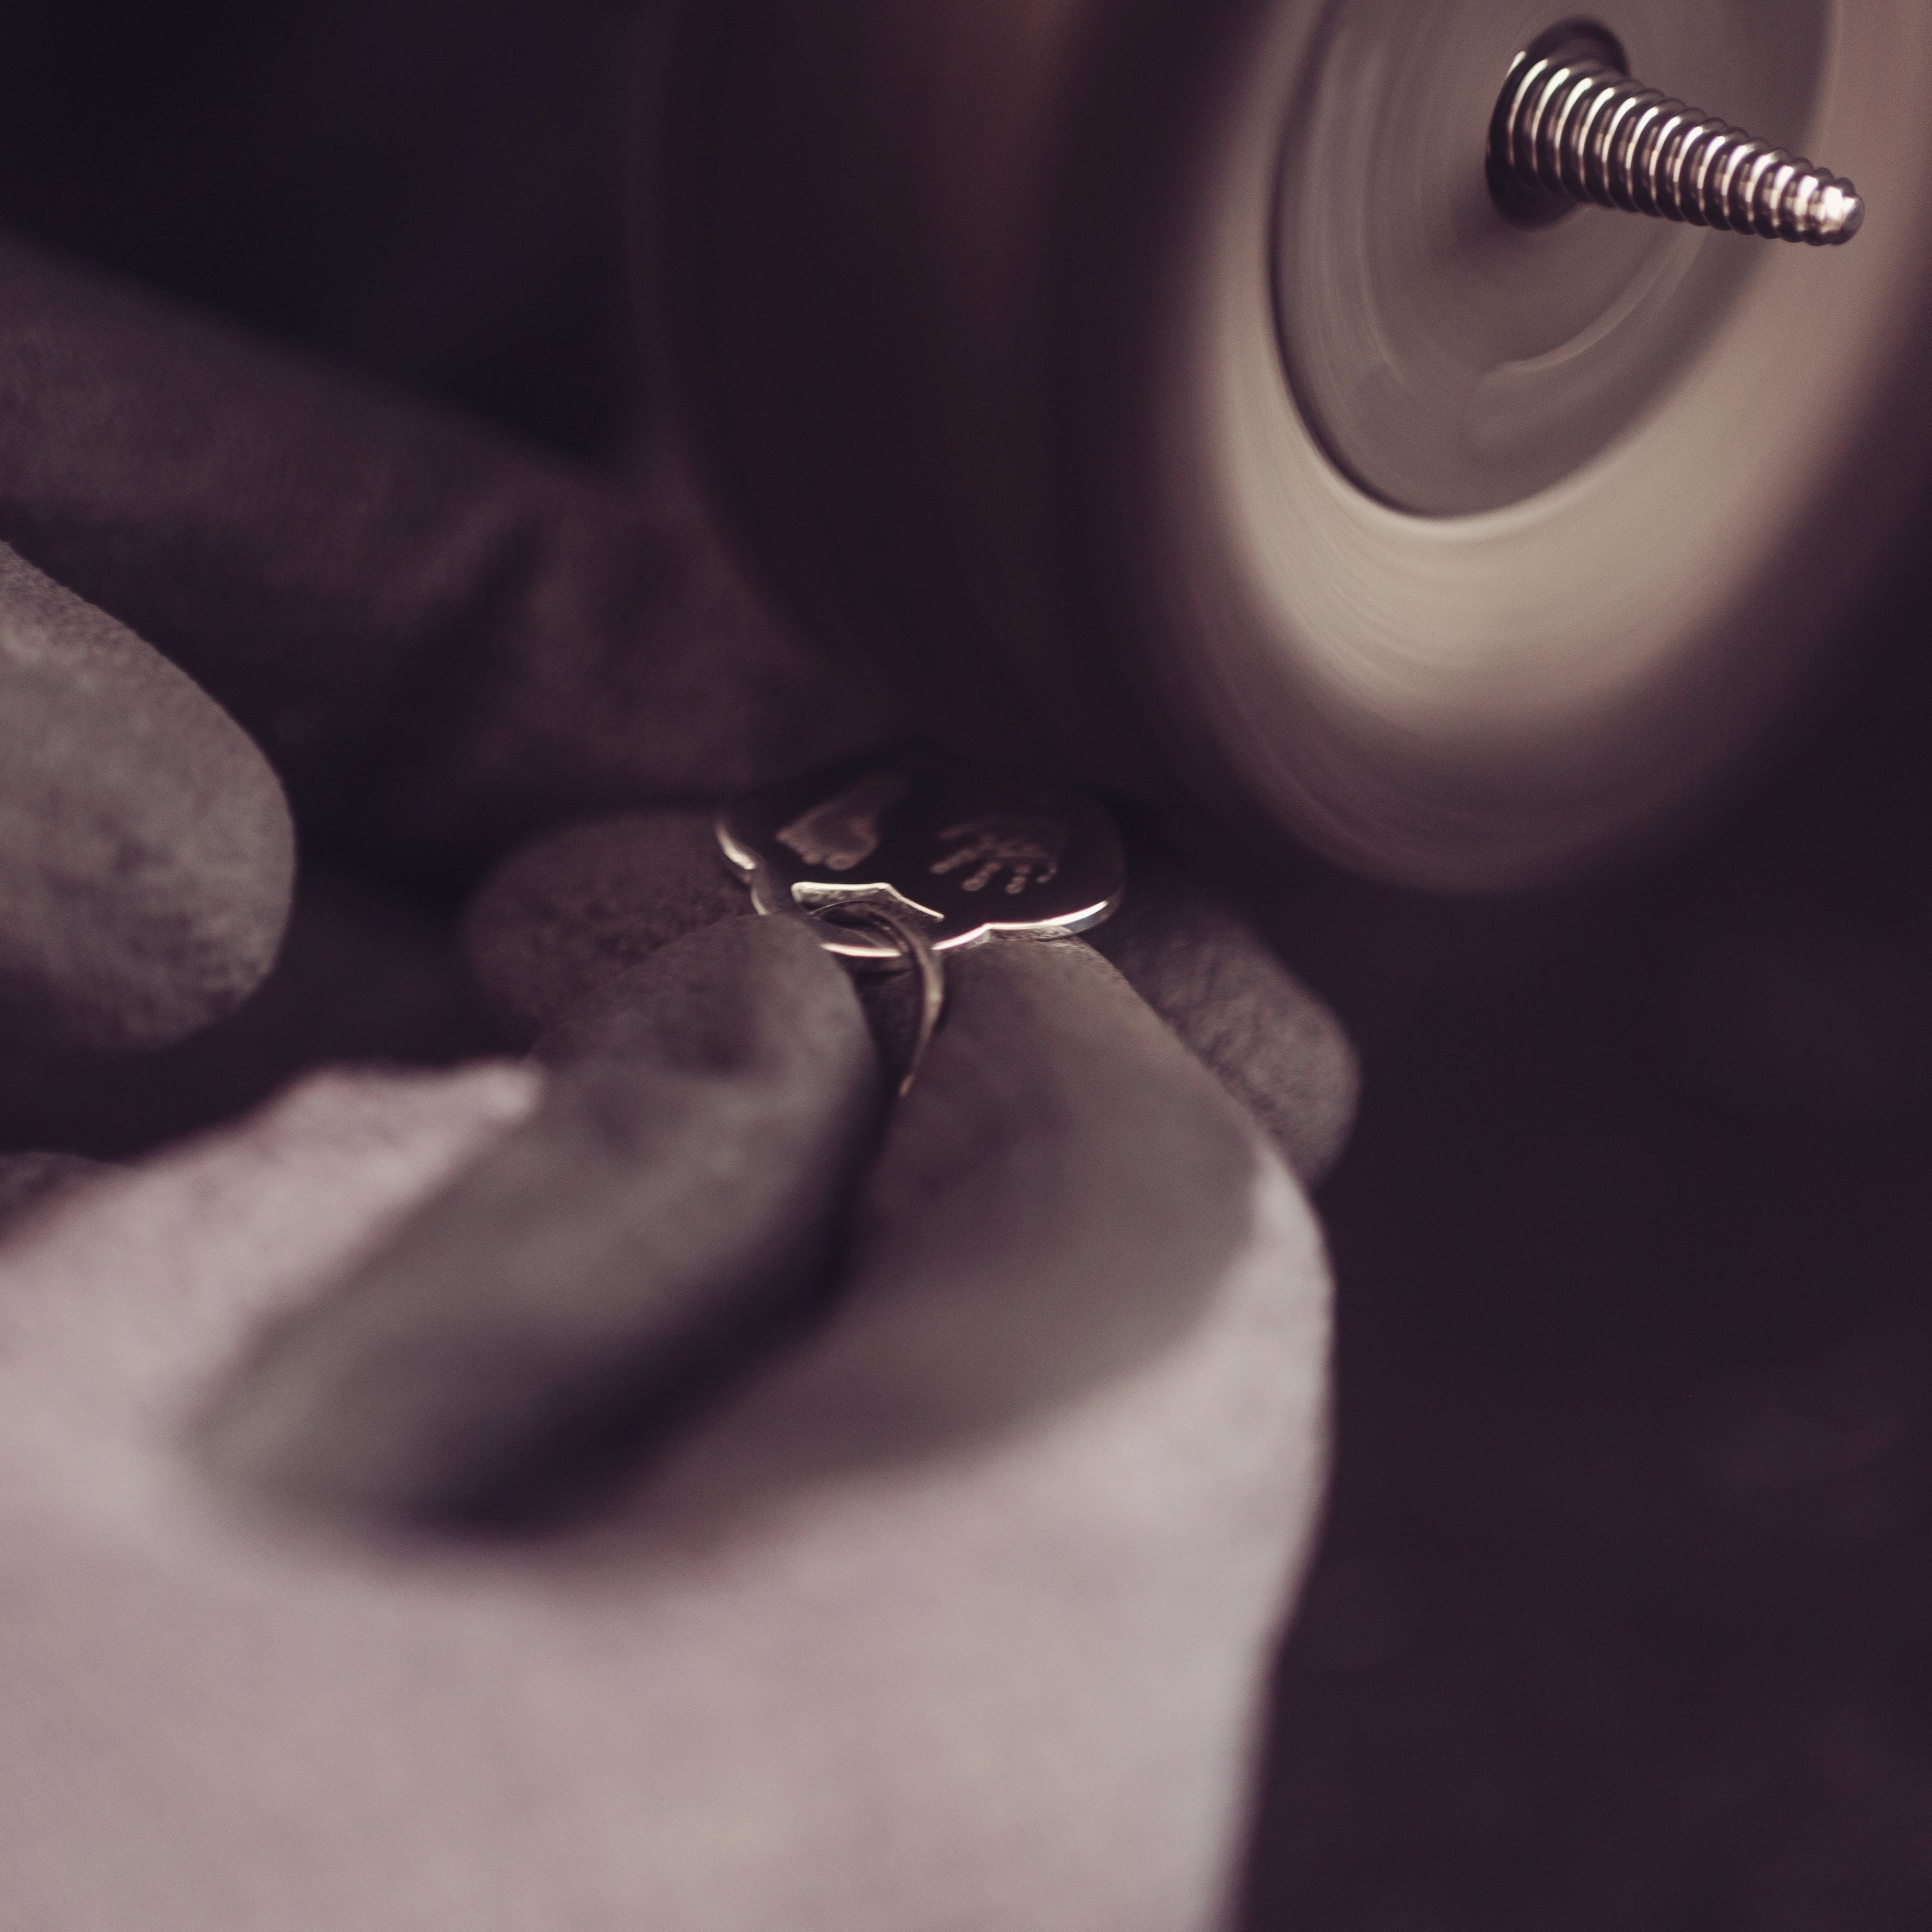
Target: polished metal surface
x: 912, y: 851
x: 954, y: 849
x: 1572, y: 125
x: 918, y: 952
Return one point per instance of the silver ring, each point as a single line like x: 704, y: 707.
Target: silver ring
x: 915, y: 950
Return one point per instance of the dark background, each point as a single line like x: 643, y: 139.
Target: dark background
x: 1617, y: 1622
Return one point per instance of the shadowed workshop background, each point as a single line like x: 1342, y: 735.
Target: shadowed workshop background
x: 1618, y: 1620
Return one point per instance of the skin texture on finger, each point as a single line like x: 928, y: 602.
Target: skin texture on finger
x: 1279, y: 1048
x: 667, y: 1213
x: 1059, y: 1198
x: 570, y: 910
x: 368, y: 975
x: 32, y: 1183
x: 147, y: 857
x: 989, y: 1655
x: 442, y: 642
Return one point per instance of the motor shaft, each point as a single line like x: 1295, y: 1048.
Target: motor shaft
x: 1572, y: 125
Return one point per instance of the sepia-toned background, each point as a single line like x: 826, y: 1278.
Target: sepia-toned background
x: 1619, y: 1620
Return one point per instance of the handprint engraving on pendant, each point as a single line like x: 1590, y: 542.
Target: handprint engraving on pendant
x: 1030, y: 848
x: 843, y: 831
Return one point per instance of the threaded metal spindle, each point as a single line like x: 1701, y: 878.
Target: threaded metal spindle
x: 1571, y: 126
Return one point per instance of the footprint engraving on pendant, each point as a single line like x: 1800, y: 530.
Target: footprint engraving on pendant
x: 843, y: 831
x: 962, y: 847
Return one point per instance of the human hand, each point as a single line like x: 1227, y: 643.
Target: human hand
x: 958, y: 1613
x: 977, y: 1431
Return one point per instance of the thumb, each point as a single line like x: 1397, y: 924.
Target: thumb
x: 1061, y: 1448
x: 1066, y: 1197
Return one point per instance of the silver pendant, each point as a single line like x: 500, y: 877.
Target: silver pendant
x: 911, y: 853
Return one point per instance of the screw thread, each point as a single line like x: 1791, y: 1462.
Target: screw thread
x: 1578, y: 129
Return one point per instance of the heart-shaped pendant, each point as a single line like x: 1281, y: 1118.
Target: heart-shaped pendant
x: 957, y: 849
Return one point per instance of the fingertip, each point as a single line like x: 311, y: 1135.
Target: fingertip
x: 742, y: 989
x: 1064, y: 1195
x: 30, y: 1183
x: 572, y: 909
x: 1276, y: 1046
x: 147, y: 853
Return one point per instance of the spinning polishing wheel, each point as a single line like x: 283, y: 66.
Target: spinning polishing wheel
x: 1251, y: 387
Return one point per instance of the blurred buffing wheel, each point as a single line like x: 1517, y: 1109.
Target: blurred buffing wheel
x: 1171, y: 371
